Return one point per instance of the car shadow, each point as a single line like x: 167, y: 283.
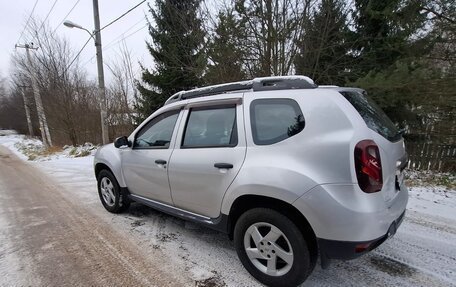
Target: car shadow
x: 216, y: 252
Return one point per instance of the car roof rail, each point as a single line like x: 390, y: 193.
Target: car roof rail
x: 255, y: 85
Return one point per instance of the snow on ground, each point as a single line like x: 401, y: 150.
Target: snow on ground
x: 32, y: 149
x: 433, y: 200
x: 422, y: 253
x: 10, y: 139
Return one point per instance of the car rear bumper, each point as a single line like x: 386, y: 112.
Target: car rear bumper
x: 346, y: 250
x: 343, y: 213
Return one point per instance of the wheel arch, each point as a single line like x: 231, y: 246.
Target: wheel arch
x: 99, y: 167
x: 250, y: 201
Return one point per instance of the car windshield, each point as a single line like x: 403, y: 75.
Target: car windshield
x: 373, y: 115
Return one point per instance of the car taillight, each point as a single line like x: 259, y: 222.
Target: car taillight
x: 368, y: 166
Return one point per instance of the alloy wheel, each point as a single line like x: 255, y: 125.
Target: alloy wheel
x: 107, y: 191
x: 268, y: 249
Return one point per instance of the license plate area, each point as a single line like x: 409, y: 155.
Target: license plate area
x: 395, y: 225
x: 399, y: 180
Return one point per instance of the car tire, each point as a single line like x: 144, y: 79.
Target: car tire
x: 272, y: 248
x: 111, y: 196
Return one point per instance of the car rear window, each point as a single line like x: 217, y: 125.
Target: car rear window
x: 372, y: 114
x: 274, y: 120
x: 211, y: 127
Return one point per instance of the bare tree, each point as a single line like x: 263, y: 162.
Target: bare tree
x: 69, y: 100
x: 273, y: 29
x: 12, y: 114
x: 121, y: 92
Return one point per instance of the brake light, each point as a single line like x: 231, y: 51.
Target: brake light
x: 368, y: 166
x: 362, y: 247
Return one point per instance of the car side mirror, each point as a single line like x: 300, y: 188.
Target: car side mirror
x: 122, y: 141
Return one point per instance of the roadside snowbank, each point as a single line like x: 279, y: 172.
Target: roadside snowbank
x: 9, y: 139
x: 32, y: 149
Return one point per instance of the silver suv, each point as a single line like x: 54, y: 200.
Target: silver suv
x: 290, y: 170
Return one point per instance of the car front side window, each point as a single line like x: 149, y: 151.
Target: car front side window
x: 157, y: 133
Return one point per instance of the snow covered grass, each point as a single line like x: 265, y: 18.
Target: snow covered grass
x: 32, y: 149
x: 427, y: 177
x: 432, y: 193
x: 433, y: 200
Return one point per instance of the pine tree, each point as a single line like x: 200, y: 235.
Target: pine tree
x: 383, y: 32
x: 177, y: 47
x: 226, y: 51
x: 324, y: 49
x: 403, y: 62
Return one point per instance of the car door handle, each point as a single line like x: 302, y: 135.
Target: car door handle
x: 160, y: 161
x: 223, y: 165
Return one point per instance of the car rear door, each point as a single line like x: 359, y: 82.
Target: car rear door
x: 209, y: 153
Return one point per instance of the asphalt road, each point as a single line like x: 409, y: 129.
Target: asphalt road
x: 49, y: 239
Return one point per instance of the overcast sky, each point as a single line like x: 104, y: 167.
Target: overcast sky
x: 14, y: 14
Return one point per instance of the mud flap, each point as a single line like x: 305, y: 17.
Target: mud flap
x: 325, y: 261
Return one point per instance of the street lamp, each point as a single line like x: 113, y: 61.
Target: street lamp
x: 71, y: 24
x: 96, y: 36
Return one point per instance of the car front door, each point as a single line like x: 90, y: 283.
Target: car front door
x: 145, y: 165
x: 207, y: 157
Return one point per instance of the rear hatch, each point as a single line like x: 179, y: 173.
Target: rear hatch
x: 386, y: 136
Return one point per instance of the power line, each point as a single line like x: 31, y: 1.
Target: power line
x: 107, y: 25
x: 123, y: 34
x: 123, y: 38
x: 114, y: 44
x: 64, y: 18
x: 47, y: 16
x: 77, y: 55
x: 28, y: 20
x: 118, y: 18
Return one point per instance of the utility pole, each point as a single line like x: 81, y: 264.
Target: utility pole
x: 101, y: 84
x: 27, y: 110
x: 97, y: 38
x: 45, y: 134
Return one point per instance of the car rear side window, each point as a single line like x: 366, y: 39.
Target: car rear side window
x: 211, y: 127
x: 274, y: 120
x: 372, y: 114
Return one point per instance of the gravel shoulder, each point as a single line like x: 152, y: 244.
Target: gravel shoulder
x: 50, y: 238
